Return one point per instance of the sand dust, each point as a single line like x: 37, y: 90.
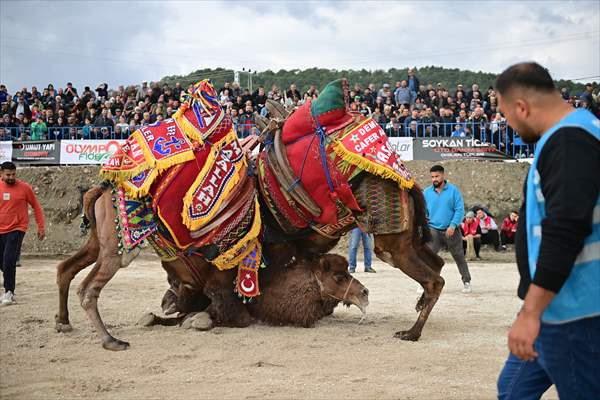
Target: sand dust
x: 459, y: 355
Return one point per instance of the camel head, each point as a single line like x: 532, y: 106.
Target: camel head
x: 335, y: 282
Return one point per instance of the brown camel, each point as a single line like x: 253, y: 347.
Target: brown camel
x: 298, y: 295
x: 406, y: 251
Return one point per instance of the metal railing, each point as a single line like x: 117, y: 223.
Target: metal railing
x: 499, y: 134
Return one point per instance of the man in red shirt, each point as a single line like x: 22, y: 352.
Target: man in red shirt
x: 15, y: 195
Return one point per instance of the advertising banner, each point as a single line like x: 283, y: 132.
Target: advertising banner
x: 455, y: 148
x: 403, y: 147
x: 6, y: 151
x: 41, y: 152
x: 87, y: 151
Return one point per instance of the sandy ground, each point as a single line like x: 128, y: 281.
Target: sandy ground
x: 459, y: 355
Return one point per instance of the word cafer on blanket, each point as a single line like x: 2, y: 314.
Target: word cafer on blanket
x: 369, y: 140
x: 175, y: 177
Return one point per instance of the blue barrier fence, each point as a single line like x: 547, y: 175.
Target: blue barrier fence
x: 500, y: 135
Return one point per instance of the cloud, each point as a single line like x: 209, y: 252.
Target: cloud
x: 126, y: 42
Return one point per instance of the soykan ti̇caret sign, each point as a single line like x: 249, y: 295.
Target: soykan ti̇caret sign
x: 455, y: 148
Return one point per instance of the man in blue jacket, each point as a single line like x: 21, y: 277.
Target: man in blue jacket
x: 555, y: 338
x: 445, y: 208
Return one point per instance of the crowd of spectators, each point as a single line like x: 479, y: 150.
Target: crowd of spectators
x: 407, y: 108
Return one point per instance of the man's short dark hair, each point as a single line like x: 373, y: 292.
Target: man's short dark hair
x: 437, y: 168
x: 8, y: 165
x: 527, y: 75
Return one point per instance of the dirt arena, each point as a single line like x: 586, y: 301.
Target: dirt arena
x: 458, y: 357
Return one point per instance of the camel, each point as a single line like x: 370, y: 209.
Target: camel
x: 298, y: 295
x: 200, y: 287
x: 406, y: 250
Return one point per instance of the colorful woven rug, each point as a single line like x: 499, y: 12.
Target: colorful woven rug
x: 386, y: 209
x: 136, y: 219
x: 214, y: 182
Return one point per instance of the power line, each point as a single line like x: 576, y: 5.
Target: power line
x: 490, y: 47
x: 584, y: 78
x: 576, y: 36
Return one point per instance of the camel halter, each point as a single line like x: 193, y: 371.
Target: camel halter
x: 332, y: 296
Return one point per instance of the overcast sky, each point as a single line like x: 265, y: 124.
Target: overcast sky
x: 126, y: 42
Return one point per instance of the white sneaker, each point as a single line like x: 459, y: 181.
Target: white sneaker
x: 8, y: 298
x: 467, y: 287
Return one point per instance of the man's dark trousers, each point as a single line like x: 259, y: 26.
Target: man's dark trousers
x: 455, y: 247
x: 10, y: 243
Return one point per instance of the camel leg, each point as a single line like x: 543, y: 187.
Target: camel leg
x: 65, y: 272
x: 88, y: 294
x: 434, y: 262
x: 398, y: 251
x: 226, y: 309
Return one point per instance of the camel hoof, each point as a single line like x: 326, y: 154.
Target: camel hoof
x: 148, y: 319
x: 200, y: 321
x: 115, y: 344
x: 407, y: 335
x: 63, y: 328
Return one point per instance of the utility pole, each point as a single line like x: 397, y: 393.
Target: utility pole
x: 249, y: 72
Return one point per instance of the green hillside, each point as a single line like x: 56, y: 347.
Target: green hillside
x: 449, y: 77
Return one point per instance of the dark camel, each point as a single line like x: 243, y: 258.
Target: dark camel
x: 201, y: 287
x: 299, y: 295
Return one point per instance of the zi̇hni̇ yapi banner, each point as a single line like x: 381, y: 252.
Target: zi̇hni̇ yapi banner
x: 455, y: 148
x: 44, y: 152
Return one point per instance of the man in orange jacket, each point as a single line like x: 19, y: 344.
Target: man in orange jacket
x: 15, y: 195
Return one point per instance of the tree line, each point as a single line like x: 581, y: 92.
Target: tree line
x: 448, y: 77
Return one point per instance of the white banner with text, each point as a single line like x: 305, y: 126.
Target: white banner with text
x: 87, y: 151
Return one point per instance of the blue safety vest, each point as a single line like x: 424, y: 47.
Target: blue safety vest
x: 580, y: 295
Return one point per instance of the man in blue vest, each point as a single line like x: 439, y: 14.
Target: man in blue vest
x: 555, y: 338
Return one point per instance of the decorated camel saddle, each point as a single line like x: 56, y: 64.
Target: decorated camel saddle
x: 183, y: 184
x: 186, y: 185
x: 309, y: 174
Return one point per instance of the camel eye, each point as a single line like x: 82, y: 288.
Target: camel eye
x: 338, y: 277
